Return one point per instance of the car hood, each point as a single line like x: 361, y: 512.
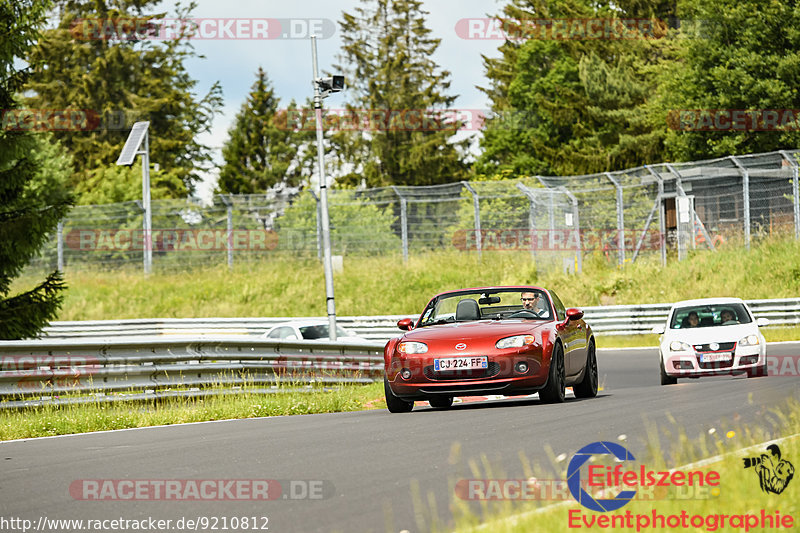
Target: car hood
x: 482, y: 329
x: 713, y: 334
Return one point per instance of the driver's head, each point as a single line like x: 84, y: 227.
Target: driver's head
x: 529, y: 299
x: 726, y: 315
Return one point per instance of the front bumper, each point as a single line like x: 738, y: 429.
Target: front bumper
x: 693, y: 363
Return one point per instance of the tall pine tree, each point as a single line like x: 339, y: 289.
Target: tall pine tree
x: 263, y: 149
x: 32, y: 201
x: 93, y: 61
x: 387, y: 60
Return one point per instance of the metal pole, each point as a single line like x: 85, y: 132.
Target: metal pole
x: 682, y: 232
x: 576, y: 221
x: 477, y: 207
x: 531, y: 218
x: 148, y: 226
x: 323, y: 203
x: 620, y: 220
x: 795, y: 194
x: 403, y: 222
x: 745, y: 199
x: 60, y: 245
x: 229, y: 240
x: 662, y: 223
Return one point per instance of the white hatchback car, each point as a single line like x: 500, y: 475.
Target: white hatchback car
x: 310, y: 329
x: 711, y: 336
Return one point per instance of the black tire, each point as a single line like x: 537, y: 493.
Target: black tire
x: 665, y: 378
x: 441, y: 402
x: 554, y: 390
x: 587, y: 388
x: 393, y: 403
x: 760, y: 371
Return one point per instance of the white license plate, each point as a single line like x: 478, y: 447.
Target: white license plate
x: 460, y: 363
x: 715, y: 357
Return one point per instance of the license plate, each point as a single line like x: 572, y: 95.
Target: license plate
x: 460, y: 363
x: 715, y: 357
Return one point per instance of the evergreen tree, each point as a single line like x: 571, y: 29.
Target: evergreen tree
x: 262, y: 150
x: 570, y: 104
x: 32, y: 199
x: 741, y: 55
x: 387, y: 62
x: 101, y: 58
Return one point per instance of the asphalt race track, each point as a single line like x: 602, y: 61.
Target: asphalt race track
x: 365, y: 470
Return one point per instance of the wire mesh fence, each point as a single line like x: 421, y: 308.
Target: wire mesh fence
x: 658, y: 211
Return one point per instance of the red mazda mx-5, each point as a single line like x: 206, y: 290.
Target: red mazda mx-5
x: 491, y: 340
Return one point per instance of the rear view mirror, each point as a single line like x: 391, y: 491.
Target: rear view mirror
x: 406, y: 324
x: 486, y: 300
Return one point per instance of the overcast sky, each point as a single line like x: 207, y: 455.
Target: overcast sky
x: 287, y: 60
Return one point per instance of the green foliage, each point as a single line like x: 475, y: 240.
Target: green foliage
x: 117, y: 72
x: 112, y: 184
x: 32, y: 194
x: 356, y: 224
x: 572, y: 105
x: 386, y: 56
x: 740, y: 55
x: 262, y: 150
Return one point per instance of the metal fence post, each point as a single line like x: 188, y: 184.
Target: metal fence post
x: 620, y: 219
x: 576, y: 221
x: 476, y: 205
x: 662, y: 223
x: 531, y: 217
x: 403, y: 222
x: 795, y: 194
x: 745, y: 198
x: 229, y: 241
x: 60, y: 245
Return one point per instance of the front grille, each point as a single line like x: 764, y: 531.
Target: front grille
x: 454, y: 375
x: 715, y: 364
x: 723, y: 346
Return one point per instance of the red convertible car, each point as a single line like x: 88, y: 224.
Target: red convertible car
x: 491, y: 340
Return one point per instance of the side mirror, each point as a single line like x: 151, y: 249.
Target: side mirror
x: 574, y: 313
x: 659, y: 329
x: 406, y: 324
x: 762, y: 321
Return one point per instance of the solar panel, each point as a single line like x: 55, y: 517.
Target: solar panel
x: 128, y: 153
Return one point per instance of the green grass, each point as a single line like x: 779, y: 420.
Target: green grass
x: 281, y: 286
x: 66, y: 419
x: 738, y: 491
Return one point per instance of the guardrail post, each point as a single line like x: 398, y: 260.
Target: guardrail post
x: 620, y: 219
x: 745, y: 198
x: 795, y: 194
x: 476, y: 205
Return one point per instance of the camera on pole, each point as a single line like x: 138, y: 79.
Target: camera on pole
x: 330, y: 84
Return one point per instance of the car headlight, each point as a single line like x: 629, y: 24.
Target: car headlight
x: 750, y: 340
x: 517, y: 341
x: 678, y: 346
x: 411, y: 348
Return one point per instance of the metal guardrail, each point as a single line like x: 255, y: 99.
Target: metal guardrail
x: 608, y: 320
x: 49, y: 367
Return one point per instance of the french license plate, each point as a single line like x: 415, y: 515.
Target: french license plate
x: 460, y: 363
x: 715, y: 357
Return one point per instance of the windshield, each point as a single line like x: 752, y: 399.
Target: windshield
x: 704, y: 316
x: 320, y: 332
x: 465, y: 306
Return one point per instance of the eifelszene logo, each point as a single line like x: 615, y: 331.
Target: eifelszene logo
x: 774, y: 473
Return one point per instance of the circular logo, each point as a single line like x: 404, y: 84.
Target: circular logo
x: 714, y: 346
x: 461, y: 346
x: 574, y: 476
